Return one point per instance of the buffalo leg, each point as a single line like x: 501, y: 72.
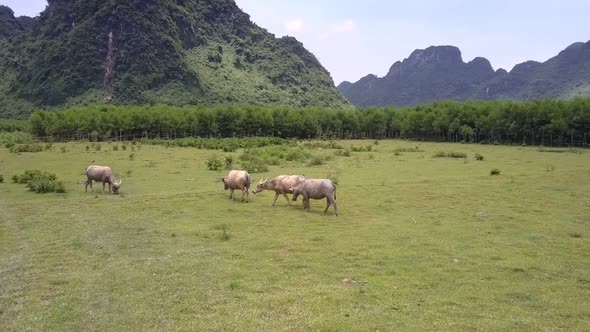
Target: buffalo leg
x: 335, y: 207
x: 103, y: 187
x: 88, y: 182
x: 231, y: 194
x: 274, y: 201
x: 327, y: 205
x: 286, y: 197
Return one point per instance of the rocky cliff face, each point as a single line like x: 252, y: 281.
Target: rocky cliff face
x: 439, y: 73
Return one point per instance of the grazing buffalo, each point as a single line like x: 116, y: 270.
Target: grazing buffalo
x: 102, y: 174
x: 281, y: 185
x: 237, y: 180
x: 316, y: 189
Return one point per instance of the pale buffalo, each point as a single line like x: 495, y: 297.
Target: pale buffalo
x: 316, y: 189
x: 102, y: 174
x: 237, y: 180
x: 281, y: 185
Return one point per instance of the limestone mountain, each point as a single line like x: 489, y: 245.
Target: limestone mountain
x: 177, y: 52
x: 439, y: 73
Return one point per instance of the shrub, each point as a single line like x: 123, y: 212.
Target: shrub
x: 18, y: 148
x: 229, y: 162
x: 322, y: 145
x: 456, y: 155
x: 1, y: 178
x: 343, y: 153
x: 129, y: 173
x: 361, y: 148
x: 254, y: 166
x: 97, y: 147
x: 479, y: 157
x: 124, y: 147
x: 48, y: 146
x: 495, y: 171
x: 315, y: 161
x: 442, y: 154
x: 63, y: 149
x: 40, y: 181
x: 213, y: 164
x: 43, y: 185
x: 87, y: 148
x: 332, y: 175
x: 116, y: 147
x: 132, y: 156
x: 398, y: 150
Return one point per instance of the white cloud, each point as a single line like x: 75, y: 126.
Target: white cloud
x: 343, y: 27
x: 294, y: 25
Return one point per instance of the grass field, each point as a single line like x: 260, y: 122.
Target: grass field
x: 421, y: 243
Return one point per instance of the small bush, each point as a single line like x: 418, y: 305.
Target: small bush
x: 456, y: 155
x: 214, y: 164
x: 40, y: 181
x: 495, y: 171
x: 479, y: 157
x: 343, y: 153
x: 224, y: 236
x: 333, y: 175
x: 87, y: 148
x: 132, y: 156
x: 315, y: 161
x: 322, y: 145
x: 42, y: 185
x: 1, y: 178
x: 116, y: 147
x: 97, y: 147
x: 254, y: 166
x: 439, y: 154
x: 128, y: 173
x: 124, y: 147
x: 442, y: 154
x: 229, y: 162
x: 48, y: 146
x: 398, y: 150
x: 63, y: 149
x: 18, y: 148
x: 367, y: 148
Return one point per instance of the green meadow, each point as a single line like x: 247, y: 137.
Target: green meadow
x: 422, y: 243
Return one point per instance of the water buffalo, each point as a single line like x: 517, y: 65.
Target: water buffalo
x: 316, y: 189
x: 281, y: 185
x: 237, y: 180
x: 102, y: 174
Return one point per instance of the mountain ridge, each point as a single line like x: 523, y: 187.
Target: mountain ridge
x: 439, y: 73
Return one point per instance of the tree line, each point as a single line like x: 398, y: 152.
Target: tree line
x: 547, y: 122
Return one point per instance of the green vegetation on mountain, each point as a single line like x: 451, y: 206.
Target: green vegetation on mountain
x: 163, y: 52
x: 439, y: 73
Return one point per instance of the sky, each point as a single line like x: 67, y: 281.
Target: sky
x: 354, y: 38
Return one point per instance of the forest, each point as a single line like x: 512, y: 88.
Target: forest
x: 540, y: 122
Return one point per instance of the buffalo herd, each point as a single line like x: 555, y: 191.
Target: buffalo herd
x: 298, y: 185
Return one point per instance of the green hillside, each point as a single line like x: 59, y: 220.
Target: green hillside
x: 170, y: 52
